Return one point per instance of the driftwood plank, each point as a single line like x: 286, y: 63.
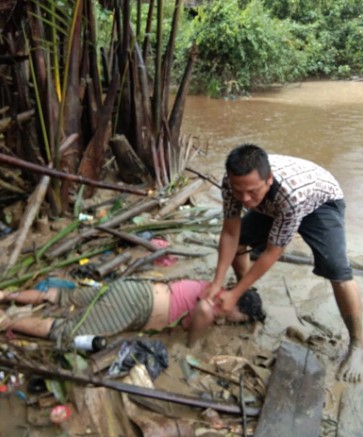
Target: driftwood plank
x: 295, y: 395
x: 350, y: 415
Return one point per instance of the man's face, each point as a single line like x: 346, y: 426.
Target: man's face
x: 250, y: 189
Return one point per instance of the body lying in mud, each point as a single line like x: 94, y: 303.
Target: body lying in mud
x: 126, y: 305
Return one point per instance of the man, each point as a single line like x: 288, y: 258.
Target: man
x: 126, y: 305
x: 285, y: 195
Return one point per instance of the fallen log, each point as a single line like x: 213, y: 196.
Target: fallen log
x: 61, y: 374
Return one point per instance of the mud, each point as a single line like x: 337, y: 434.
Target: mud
x: 310, y: 296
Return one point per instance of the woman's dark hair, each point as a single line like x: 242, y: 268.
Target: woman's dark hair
x: 250, y: 303
x: 246, y: 158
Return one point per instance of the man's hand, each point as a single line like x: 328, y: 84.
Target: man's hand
x: 227, y: 302
x: 210, y: 291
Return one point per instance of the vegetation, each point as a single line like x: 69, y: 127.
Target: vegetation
x: 77, y: 76
x: 244, y: 44
x: 82, y: 75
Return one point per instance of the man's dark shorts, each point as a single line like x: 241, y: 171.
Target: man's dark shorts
x: 322, y: 230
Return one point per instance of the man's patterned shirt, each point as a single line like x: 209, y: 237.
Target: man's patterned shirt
x: 299, y: 187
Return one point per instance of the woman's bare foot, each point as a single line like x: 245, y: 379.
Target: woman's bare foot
x: 4, y: 320
x: 351, y: 368
x: 8, y: 296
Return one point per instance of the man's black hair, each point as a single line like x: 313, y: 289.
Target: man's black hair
x: 246, y: 158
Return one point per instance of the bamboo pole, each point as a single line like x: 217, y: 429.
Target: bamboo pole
x: 31, y: 211
x: 139, y: 262
x: 139, y: 208
x: 181, y: 196
x: 110, y: 266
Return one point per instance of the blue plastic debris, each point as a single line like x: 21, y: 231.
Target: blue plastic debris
x: 21, y: 395
x: 54, y: 283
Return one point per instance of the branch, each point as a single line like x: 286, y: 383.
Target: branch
x: 6, y: 159
x: 121, y: 387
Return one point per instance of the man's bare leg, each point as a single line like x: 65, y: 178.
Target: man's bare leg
x: 35, y: 326
x: 350, y: 306
x: 241, y: 262
x: 30, y: 296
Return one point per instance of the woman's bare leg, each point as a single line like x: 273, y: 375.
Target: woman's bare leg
x: 35, y: 326
x: 29, y: 296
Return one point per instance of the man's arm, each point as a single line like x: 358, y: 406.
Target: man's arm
x: 264, y: 262
x: 228, y: 244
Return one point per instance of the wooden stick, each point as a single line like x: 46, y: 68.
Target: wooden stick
x: 203, y: 176
x: 6, y: 159
x: 129, y: 237
x: 145, y: 243
x: 162, y: 395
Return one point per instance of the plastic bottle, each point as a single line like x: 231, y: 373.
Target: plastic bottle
x: 92, y: 343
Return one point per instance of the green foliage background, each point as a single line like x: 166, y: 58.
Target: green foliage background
x: 245, y: 44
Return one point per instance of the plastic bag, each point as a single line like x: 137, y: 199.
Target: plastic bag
x: 152, y: 353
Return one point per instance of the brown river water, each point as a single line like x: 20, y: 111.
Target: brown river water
x: 319, y: 121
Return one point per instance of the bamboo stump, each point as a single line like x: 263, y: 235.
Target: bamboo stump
x: 131, y: 168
